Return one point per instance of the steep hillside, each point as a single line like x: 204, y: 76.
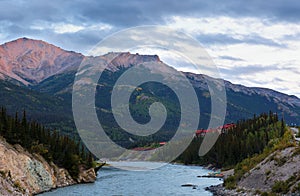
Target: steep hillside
x: 22, y: 173
x: 279, y: 173
x: 275, y: 171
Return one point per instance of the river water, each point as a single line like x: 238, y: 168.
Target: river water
x: 166, y: 180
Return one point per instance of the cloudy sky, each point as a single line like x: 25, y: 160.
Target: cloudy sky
x: 255, y: 43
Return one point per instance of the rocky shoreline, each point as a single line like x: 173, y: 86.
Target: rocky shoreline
x: 219, y: 190
x: 73, y: 184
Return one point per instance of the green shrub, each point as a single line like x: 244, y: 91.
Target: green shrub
x: 3, y: 173
x: 280, y: 187
x: 264, y: 194
x: 268, y: 172
x: 296, y: 189
x: 296, y: 151
x: 230, y: 182
x: 280, y: 161
x: 18, y: 186
x: 258, y: 192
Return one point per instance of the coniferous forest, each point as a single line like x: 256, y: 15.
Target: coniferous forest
x: 246, y: 138
x: 60, y: 149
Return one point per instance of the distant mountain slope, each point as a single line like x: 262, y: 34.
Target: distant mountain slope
x: 39, y: 77
x: 31, y: 61
x: 243, y: 102
x: 52, y: 110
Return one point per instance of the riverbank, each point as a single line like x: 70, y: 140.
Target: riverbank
x: 220, y: 190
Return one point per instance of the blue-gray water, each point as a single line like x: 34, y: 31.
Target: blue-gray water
x: 166, y: 180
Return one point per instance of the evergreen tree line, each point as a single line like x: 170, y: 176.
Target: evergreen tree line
x: 247, y: 138
x: 60, y: 149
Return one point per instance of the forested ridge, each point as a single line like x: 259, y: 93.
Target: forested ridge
x: 61, y: 149
x: 246, y: 138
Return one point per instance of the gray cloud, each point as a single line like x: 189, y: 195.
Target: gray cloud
x: 120, y: 14
x: 230, y: 58
x: 137, y: 12
x: 224, y: 39
x: 248, y: 70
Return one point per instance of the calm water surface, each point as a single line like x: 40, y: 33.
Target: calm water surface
x: 166, y: 180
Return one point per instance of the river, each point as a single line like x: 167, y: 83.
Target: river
x: 166, y: 180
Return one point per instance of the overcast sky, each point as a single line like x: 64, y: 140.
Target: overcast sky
x: 255, y: 43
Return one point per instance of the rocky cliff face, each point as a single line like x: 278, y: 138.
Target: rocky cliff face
x: 22, y: 173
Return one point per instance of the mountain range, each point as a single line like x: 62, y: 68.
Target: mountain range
x: 38, y: 77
